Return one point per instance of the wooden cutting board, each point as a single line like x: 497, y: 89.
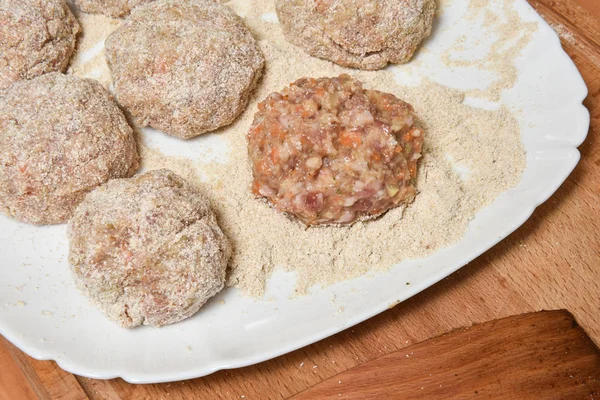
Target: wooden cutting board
x: 543, y: 355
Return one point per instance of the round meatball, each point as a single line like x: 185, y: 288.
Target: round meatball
x: 36, y: 37
x: 147, y: 250
x: 330, y: 152
x: 365, y: 34
x: 60, y: 137
x: 112, y: 8
x: 184, y: 67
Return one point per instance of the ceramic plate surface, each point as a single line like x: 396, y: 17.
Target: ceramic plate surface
x: 43, y: 314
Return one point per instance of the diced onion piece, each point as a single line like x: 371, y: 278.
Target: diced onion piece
x: 392, y: 190
x: 314, y: 162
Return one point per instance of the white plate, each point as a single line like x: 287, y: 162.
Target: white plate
x: 44, y: 315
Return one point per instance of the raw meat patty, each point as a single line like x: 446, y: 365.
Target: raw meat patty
x: 36, y: 37
x: 112, y: 8
x: 330, y: 152
x: 184, y: 67
x: 147, y: 250
x: 60, y: 137
x: 365, y: 34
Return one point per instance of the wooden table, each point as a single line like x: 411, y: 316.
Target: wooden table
x: 553, y: 261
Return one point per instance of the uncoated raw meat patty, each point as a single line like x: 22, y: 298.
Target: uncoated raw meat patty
x: 330, y: 152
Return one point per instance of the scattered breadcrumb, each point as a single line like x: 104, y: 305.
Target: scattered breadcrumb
x: 513, y: 34
x: 484, y: 143
x: 89, y: 60
x: 471, y: 156
x: 563, y: 33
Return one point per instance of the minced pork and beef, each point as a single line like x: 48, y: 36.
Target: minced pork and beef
x: 330, y: 152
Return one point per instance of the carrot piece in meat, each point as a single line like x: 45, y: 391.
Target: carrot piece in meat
x: 349, y: 138
x: 256, y: 187
x: 275, y: 155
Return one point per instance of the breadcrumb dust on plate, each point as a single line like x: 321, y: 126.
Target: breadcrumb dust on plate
x: 470, y: 156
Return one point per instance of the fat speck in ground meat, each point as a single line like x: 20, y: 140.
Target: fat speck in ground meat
x: 330, y: 152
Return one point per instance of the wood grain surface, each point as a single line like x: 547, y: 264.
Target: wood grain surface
x: 543, y: 355
x: 551, y: 262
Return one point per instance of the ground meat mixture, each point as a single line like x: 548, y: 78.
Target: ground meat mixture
x: 112, y: 8
x: 36, y: 37
x: 330, y: 152
x: 184, y: 67
x: 365, y: 34
x: 60, y: 137
x: 147, y: 250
